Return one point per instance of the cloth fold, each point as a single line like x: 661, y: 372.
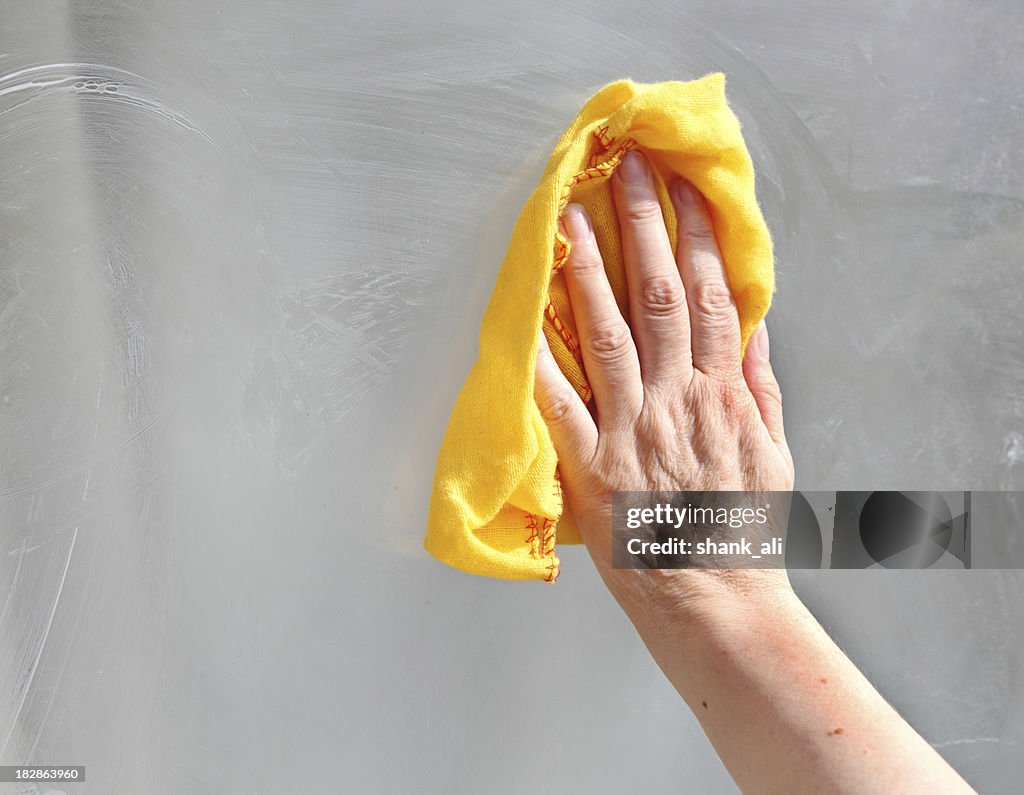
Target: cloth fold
x: 496, y: 508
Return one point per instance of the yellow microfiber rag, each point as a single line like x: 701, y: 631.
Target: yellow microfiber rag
x: 496, y: 507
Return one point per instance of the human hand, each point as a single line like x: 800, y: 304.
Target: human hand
x: 675, y: 407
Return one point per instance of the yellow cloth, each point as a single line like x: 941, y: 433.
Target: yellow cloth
x: 496, y: 506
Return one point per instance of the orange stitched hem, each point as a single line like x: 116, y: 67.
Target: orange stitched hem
x: 541, y: 541
x: 553, y: 566
x: 554, y: 569
x: 531, y: 539
x: 563, y: 332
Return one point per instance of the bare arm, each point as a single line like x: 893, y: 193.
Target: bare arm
x: 784, y: 707
x: 676, y: 409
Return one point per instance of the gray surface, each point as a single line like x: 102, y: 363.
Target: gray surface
x: 238, y: 295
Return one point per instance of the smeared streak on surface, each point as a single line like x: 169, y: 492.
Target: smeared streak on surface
x: 86, y: 79
x: 335, y: 344
x: 37, y: 622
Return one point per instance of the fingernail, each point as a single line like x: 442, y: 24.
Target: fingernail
x: 576, y: 221
x: 759, y: 341
x: 686, y: 192
x: 633, y: 169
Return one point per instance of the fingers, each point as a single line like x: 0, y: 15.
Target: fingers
x: 570, y: 425
x: 609, y: 355
x: 760, y: 378
x: 714, y: 322
x: 658, y: 311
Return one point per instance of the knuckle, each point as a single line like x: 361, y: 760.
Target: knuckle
x: 770, y: 389
x: 712, y: 298
x: 643, y: 210
x: 662, y: 295
x: 555, y: 407
x: 609, y: 342
x: 584, y: 259
x: 698, y: 233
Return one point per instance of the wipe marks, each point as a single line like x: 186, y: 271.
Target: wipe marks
x: 92, y: 82
x: 336, y: 343
x: 1013, y: 448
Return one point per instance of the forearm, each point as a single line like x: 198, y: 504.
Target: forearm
x: 786, y: 710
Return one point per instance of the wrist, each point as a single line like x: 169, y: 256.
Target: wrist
x: 679, y: 614
x: 701, y: 597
